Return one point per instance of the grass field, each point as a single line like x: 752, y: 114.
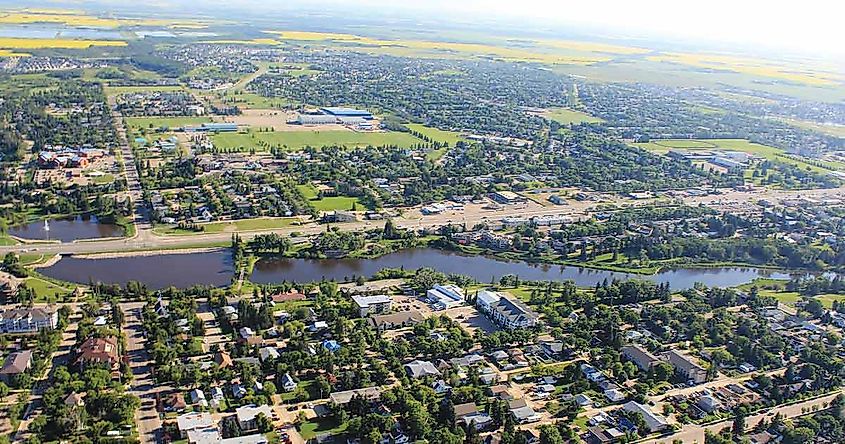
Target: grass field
x: 254, y: 101
x: 450, y: 137
x: 337, y: 203
x: 311, y: 428
x: 268, y: 223
x: 764, y: 151
x: 566, y: 116
x: 169, y: 122
x: 831, y: 130
x: 296, y: 140
x: 45, y: 290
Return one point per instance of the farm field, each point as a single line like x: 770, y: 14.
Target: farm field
x: 764, y: 151
x: 295, y: 140
x: 13, y: 43
x: 115, y: 90
x: 566, y: 116
x: 336, y: 203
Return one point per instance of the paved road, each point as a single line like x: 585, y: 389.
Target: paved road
x: 146, y: 239
x: 695, y: 434
x: 143, y: 385
x: 133, y: 182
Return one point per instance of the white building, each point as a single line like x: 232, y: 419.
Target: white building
x: 505, y: 310
x: 28, y: 320
x: 372, y: 304
x: 445, y: 296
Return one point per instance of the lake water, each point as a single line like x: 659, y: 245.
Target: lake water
x: 67, y: 229
x: 215, y: 268
x: 160, y: 271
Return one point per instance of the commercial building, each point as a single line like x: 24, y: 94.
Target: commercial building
x: 339, y: 111
x: 505, y: 310
x: 445, y: 296
x: 315, y: 119
x: 193, y: 421
x: 247, y: 415
x: 372, y: 304
x: 221, y: 127
x: 396, y: 320
x: 506, y: 197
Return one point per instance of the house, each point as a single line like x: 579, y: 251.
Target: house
x: 505, y: 310
x: 331, y: 345
x: 445, y: 296
x: 173, y: 402
x: 468, y: 413
x: 75, y: 400
x: 367, y: 305
x: 98, y: 352
x: 288, y: 384
x: 238, y: 390
x: 522, y: 413
x: 614, y: 395
x: 193, y: 421
x: 15, y: 364
x: 28, y: 320
x: 583, y: 400
x: 654, y: 421
x: 247, y: 416
x: 198, y: 397
x: 9, y: 286
x: 396, y: 320
x: 268, y: 354
x: 420, y: 369
x: 368, y: 393
x: 686, y: 367
x: 223, y: 360
x: 217, y: 397
x: 640, y: 356
x: 440, y: 387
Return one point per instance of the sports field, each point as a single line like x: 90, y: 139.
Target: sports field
x: 566, y: 116
x: 296, y: 140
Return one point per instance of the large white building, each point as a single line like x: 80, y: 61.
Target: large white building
x: 372, y: 304
x: 506, y: 310
x: 445, y: 296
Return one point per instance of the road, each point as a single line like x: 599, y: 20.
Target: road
x: 145, y: 239
x: 143, y: 386
x: 692, y: 433
x: 140, y: 211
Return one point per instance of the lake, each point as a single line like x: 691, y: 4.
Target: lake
x: 67, y: 229
x: 215, y: 268
x: 159, y: 271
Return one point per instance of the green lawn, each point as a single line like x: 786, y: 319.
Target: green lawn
x: 827, y: 299
x: 253, y: 101
x: 169, y: 122
x: 252, y: 224
x: 741, y: 145
x: 310, y: 429
x: 566, y: 116
x: 296, y: 140
x: 5, y: 240
x: 450, y: 137
x: 337, y: 203
x: 45, y: 290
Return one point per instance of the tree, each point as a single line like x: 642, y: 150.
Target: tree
x: 549, y: 434
x: 738, y: 428
x: 263, y: 423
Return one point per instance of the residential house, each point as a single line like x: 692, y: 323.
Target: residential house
x: 98, y: 352
x: 247, y: 416
x: 396, y: 320
x: 420, y: 369
x: 15, y: 364
x: 654, y: 421
x: 192, y: 421
x: 288, y: 384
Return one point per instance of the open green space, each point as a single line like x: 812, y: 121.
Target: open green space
x: 311, y: 428
x: 250, y: 100
x: 296, y: 140
x: 335, y: 203
x: 438, y: 135
x: 264, y: 223
x: 115, y: 90
x: 45, y: 290
x: 169, y: 122
x: 767, y: 152
x: 566, y: 116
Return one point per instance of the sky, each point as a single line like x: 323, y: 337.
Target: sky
x: 808, y: 25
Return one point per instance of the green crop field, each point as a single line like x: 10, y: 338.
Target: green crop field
x: 566, y: 116
x: 767, y: 152
x: 296, y: 140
